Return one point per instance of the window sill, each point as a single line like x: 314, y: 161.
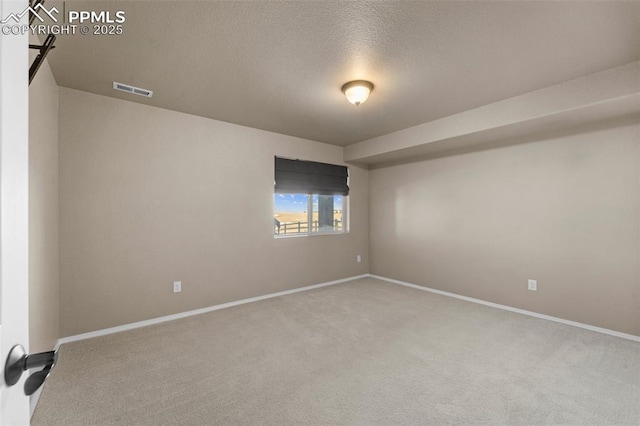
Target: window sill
x: 324, y: 234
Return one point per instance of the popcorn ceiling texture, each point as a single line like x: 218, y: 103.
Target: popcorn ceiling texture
x: 279, y: 66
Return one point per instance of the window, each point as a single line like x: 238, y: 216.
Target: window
x: 303, y: 214
x: 310, y: 198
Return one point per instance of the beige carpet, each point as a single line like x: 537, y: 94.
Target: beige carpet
x: 364, y: 352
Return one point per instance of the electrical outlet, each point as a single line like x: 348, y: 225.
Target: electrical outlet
x: 177, y: 286
x: 533, y: 285
x: 358, y: 258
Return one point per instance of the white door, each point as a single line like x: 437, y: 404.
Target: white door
x: 14, y: 165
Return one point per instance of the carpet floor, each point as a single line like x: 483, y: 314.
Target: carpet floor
x: 364, y: 352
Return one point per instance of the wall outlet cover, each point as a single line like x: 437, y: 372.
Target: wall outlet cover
x: 177, y: 286
x: 532, y: 285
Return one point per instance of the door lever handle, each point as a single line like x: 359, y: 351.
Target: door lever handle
x: 18, y: 361
x: 40, y: 359
x: 36, y: 380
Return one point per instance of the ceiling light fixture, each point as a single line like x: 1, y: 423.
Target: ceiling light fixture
x: 357, y: 91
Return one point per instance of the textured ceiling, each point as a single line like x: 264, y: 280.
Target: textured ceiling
x: 279, y: 66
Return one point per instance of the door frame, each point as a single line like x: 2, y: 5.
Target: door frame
x: 14, y: 211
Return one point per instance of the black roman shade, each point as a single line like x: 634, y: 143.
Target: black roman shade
x: 309, y: 177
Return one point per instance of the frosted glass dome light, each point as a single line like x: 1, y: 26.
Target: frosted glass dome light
x: 357, y: 91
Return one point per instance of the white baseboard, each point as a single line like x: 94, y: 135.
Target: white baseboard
x: 36, y: 396
x: 33, y: 400
x: 159, y: 320
x: 511, y: 309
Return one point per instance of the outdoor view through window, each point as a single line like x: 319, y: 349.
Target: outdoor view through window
x: 304, y: 214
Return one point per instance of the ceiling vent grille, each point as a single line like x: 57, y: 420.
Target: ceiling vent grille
x: 131, y: 89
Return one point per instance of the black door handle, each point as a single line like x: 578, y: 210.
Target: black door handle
x: 18, y: 361
x: 36, y: 380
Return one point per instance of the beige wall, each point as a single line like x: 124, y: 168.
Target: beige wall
x: 563, y: 210
x: 43, y: 211
x: 150, y: 196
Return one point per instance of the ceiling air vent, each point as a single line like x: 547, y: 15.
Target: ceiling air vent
x: 131, y: 89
